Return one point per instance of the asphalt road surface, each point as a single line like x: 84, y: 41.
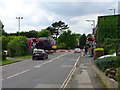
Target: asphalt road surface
x: 49, y: 73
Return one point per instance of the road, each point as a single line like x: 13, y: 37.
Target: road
x: 49, y: 73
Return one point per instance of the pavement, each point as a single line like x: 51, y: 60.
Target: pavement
x: 85, y: 76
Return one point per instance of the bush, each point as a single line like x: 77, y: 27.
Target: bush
x: 98, y: 52
x: 17, y: 46
x: 62, y: 46
x: 108, y: 62
x: 3, y: 56
x: 118, y: 77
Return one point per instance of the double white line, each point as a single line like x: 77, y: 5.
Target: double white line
x: 65, y: 83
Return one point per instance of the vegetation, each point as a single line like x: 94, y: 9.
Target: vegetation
x: 108, y: 62
x: 5, y: 62
x: 57, y: 28
x: 108, y: 31
x: 17, y: 46
x: 67, y: 40
x: 118, y: 77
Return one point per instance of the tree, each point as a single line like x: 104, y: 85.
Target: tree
x: 68, y: 38
x: 89, y: 36
x: 82, y: 40
x: 17, y: 46
x: 44, y: 33
x: 57, y: 28
x: 5, y: 41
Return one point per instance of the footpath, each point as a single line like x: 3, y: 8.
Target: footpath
x: 85, y: 77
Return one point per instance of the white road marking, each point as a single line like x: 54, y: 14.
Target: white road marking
x: 38, y: 66
x: 18, y: 74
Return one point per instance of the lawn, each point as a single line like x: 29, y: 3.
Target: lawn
x: 5, y: 62
x: 23, y: 57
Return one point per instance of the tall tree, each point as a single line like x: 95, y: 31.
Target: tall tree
x: 57, y: 28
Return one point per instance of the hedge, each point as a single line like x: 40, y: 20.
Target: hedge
x: 108, y: 62
x: 98, y: 52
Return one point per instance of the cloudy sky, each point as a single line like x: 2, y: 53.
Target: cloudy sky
x: 39, y: 14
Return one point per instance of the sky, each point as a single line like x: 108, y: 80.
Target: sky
x: 39, y: 14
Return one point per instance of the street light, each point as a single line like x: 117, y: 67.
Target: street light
x: 113, y: 10
x: 19, y: 22
x: 92, y: 21
x: 92, y: 24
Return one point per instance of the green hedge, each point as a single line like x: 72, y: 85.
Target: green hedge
x: 98, y: 52
x: 108, y: 62
x: 118, y: 77
x: 3, y: 55
x: 17, y: 46
x: 107, y: 28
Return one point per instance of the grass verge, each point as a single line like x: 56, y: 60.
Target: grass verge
x: 24, y: 57
x: 5, y: 62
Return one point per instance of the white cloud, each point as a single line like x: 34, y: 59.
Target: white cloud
x: 40, y: 14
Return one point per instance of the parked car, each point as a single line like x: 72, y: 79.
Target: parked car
x: 77, y: 50
x: 39, y: 54
x: 114, y: 54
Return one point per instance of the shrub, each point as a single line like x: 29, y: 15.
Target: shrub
x: 118, y: 77
x: 3, y: 55
x: 17, y: 46
x: 108, y: 62
x: 62, y: 46
x: 98, y: 52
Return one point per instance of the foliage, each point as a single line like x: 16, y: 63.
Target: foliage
x: 32, y: 34
x: 44, y: 33
x: 107, y: 28
x: 89, y: 35
x: 2, y: 55
x: 62, y: 46
x: 108, y: 32
x: 5, y: 41
x: 82, y: 41
x: 118, y: 77
x: 17, y: 46
x: 57, y: 28
x: 108, y: 62
x: 68, y: 38
x: 98, y: 52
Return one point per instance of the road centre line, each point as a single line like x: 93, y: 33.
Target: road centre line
x: 38, y: 66
x: 18, y: 74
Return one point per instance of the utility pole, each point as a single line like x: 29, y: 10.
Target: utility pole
x: 19, y: 18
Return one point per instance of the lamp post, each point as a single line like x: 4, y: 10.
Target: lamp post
x: 92, y: 21
x: 113, y: 10
x: 19, y: 18
x: 92, y: 24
